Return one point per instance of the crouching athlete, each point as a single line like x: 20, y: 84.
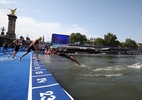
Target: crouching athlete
x: 33, y: 46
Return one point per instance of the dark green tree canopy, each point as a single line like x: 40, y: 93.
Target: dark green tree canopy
x: 130, y: 43
x: 99, y: 42
x: 77, y: 37
x: 111, y: 40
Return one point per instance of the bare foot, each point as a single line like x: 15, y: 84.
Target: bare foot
x: 37, y: 59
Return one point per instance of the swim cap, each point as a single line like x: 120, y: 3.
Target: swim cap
x: 21, y: 36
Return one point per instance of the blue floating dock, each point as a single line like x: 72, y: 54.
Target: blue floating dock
x: 28, y: 80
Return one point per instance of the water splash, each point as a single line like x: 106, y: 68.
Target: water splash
x: 101, y: 75
x: 136, y: 65
x: 109, y: 69
x: 112, y: 75
x: 84, y: 65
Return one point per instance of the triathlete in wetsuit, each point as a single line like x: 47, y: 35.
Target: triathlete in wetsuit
x: 64, y: 55
x: 5, y: 46
x: 33, y: 46
x: 18, y: 43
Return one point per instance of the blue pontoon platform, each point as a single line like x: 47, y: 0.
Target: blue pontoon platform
x: 28, y: 80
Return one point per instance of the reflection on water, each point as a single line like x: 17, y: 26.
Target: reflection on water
x: 99, y: 77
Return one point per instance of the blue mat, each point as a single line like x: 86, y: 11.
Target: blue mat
x: 43, y: 85
x: 14, y: 77
x: 28, y: 80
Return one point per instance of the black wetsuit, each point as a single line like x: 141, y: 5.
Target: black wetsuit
x: 17, y: 46
x: 5, y: 45
x: 63, y: 55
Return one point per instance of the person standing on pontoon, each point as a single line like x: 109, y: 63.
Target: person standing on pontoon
x: 33, y: 46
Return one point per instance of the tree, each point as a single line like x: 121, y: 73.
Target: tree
x: 123, y: 44
x: 130, y: 43
x: 111, y: 40
x: 77, y: 38
x: 99, y: 42
x: 140, y: 45
x: 89, y: 41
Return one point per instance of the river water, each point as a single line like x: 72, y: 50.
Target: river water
x: 99, y: 77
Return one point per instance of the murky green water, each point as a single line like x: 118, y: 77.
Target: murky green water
x: 99, y: 77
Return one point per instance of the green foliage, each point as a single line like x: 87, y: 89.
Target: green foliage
x: 99, y: 42
x: 123, y: 44
x: 111, y: 40
x: 77, y: 37
x: 130, y: 43
x: 140, y: 45
x: 89, y: 41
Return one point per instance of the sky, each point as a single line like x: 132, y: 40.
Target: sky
x: 92, y: 18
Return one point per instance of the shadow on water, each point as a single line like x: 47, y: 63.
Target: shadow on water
x: 99, y: 77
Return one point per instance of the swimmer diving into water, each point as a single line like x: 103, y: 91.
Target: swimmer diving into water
x: 64, y: 55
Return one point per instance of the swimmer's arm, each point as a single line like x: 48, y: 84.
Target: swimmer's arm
x: 55, y: 52
x: 72, y: 58
x: 15, y: 41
